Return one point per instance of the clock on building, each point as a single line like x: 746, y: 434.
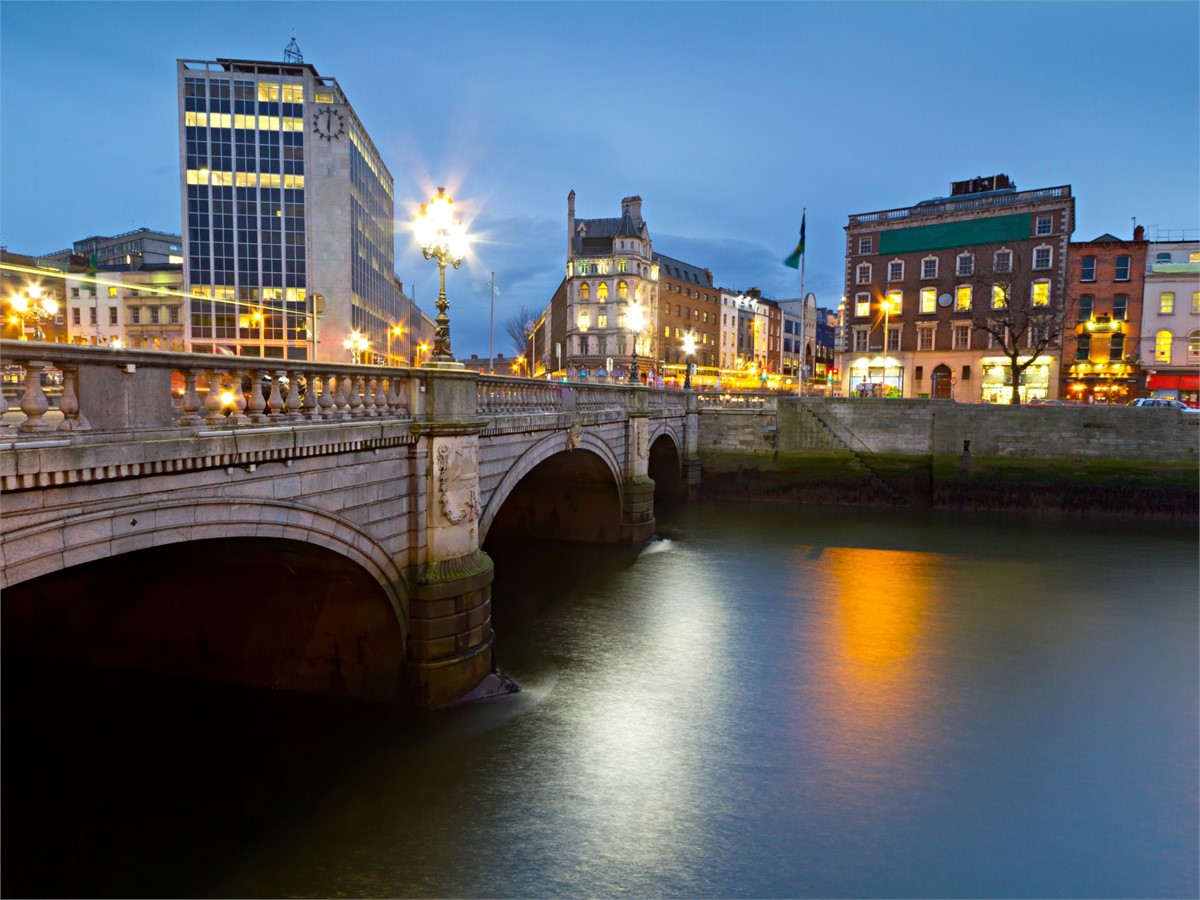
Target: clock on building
x: 329, y: 124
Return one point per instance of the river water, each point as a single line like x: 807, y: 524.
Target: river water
x: 766, y: 701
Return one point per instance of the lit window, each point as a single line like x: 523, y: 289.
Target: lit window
x: 962, y: 337
x: 293, y: 93
x: 896, y: 270
x: 324, y: 97
x: 622, y: 265
x: 1194, y: 257
x: 1162, y: 347
x: 602, y: 291
x: 1087, y: 268
x: 585, y: 291
x: 1195, y: 302
x: 1041, y: 293
x: 601, y: 320
x: 1166, y: 303
x: 268, y: 91
x: 585, y: 319
x: 965, y: 264
x: 1194, y: 347
x: 1042, y: 257
x: 999, y: 296
x: 862, y: 304
x: 895, y: 302
x: 1122, y: 272
x: 862, y: 275
x: 962, y: 298
x: 928, y: 300
x: 1044, y: 225
x: 622, y: 290
x: 929, y: 267
x: 112, y: 292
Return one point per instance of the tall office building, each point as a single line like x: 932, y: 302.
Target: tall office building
x: 288, y: 216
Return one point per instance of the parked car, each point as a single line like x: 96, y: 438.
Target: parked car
x: 1163, y: 403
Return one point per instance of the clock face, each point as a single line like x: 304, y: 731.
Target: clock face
x: 329, y: 124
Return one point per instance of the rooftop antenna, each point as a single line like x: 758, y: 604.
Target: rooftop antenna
x: 292, y: 54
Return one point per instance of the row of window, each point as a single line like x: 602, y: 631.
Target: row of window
x: 1166, y: 303
x: 1087, y: 268
x: 1002, y: 262
x: 893, y: 304
x: 153, y: 315
x: 960, y: 338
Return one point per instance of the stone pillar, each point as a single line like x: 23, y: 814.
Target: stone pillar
x: 691, y: 445
x: 449, y: 650
x: 637, y: 505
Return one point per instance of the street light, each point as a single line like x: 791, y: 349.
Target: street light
x: 518, y: 365
x: 357, y: 344
x: 444, y: 238
x: 689, y: 347
x: 422, y: 347
x: 394, y: 332
x: 636, y: 319
x: 31, y: 304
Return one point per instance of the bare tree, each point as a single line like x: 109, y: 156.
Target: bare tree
x: 1023, y: 310
x: 516, y: 327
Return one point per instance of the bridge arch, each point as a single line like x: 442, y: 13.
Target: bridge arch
x: 545, y: 449
x: 59, y: 544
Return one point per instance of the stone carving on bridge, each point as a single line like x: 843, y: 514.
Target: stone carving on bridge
x: 574, y: 435
x: 458, y: 483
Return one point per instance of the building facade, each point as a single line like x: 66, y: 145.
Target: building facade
x: 1101, y: 362
x: 688, y: 304
x: 144, y: 245
x: 917, y: 294
x: 1170, y: 334
x: 288, y: 214
x: 137, y: 306
x: 609, y: 296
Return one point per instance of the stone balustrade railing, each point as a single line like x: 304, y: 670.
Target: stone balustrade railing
x: 104, y: 389
x: 502, y: 395
x: 758, y: 402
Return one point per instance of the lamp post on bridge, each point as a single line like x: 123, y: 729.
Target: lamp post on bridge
x: 635, y: 319
x: 689, y: 348
x: 444, y: 238
x: 357, y: 344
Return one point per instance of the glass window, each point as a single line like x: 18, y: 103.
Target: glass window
x: 965, y: 264
x: 1116, y: 348
x: 1042, y: 257
x: 1194, y: 348
x: 1166, y: 302
x: 1085, y: 307
x: 896, y: 270
x: 585, y: 319
x: 860, y: 340
x: 135, y: 315
x: 999, y: 296
x: 862, y: 304
x: 585, y: 291
x: 1162, y: 257
x: 862, y: 275
x: 864, y: 245
x: 1122, y: 272
x: 1087, y: 268
x: 76, y: 317
x: 1120, y: 307
x: 112, y: 292
x: 622, y: 290
x: 962, y: 337
x: 929, y: 267
x: 1002, y: 261
x: 928, y: 300
x: 1195, y: 302
x: 962, y: 298
x: 1162, y: 347
x: 1083, y: 346
x: 893, y: 339
x: 1041, y: 293
x: 1044, y: 225
x: 112, y: 315
x: 925, y: 339
x: 895, y: 300
x: 601, y: 320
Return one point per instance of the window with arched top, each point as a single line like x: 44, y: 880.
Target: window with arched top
x: 1162, y: 347
x: 622, y: 290
x: 585, y: 291
x: 602, y: 291
x: 1194, y: 348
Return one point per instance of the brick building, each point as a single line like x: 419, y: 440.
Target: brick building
x: 1106, y: 280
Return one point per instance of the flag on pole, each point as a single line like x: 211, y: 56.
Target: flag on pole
x: 793, y: 261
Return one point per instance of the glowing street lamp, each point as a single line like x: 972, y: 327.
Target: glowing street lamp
x: 689, y: 348
x: 444, y: 238
x: 636, y: 319
x: 357, y: 344
x: 31, y: 304
x: 422, y: 347
x: 394, y: 332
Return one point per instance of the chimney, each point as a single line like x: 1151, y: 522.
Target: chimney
x: 633, y: 206
x: 1139, y: 233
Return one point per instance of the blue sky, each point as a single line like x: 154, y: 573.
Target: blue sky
x: 728, y: 120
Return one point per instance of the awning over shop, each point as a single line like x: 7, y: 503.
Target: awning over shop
x: 1173, y: 382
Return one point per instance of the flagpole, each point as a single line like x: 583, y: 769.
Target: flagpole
x: 803, y: 309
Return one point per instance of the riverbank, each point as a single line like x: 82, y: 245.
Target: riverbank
x: 1046, y: 485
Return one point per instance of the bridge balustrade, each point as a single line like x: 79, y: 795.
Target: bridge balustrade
x: 502, y: 395
x: 104, y: 389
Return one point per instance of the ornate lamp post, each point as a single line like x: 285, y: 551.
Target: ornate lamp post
x: 30, y: 304
x: 444, y: 238
x: 635, y: 319
x: 689, y: 348
x: 357, y: 344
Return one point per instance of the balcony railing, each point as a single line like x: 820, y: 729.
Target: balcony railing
x: 963, y: 204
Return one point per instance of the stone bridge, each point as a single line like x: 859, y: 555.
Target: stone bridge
x: 153, y: 504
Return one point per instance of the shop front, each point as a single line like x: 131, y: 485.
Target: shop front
x: 1183, y: 386
x: 1102, y: 384
x: 997, y: 381
x: 876, y: 376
